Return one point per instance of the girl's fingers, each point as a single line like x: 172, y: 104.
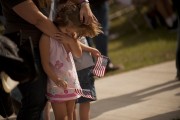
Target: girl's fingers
x: 65, y: 85
x: 62, y: 83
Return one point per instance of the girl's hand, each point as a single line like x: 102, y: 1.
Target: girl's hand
x: 95, y: 53
x: 61, y: 83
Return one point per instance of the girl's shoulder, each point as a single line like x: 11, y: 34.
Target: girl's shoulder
x: 44, y: 38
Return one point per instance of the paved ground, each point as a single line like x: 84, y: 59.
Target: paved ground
x: 149, y: 93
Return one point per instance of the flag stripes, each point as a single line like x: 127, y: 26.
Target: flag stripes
x: 100, y: 66
x: 84, y: 93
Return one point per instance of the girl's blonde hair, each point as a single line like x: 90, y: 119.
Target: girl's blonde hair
x: 70, y: 15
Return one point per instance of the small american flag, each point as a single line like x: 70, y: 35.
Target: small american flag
x: 100, y: 66
x: 84, y: 93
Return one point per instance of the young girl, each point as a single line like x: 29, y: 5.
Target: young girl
x: 58, y: 62
x: 84, y: 66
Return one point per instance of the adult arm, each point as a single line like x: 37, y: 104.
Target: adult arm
x: 29, y: 12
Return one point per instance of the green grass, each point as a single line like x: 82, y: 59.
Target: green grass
x: 135, y: 50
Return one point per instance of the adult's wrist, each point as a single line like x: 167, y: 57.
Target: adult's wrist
x: 83, y: 1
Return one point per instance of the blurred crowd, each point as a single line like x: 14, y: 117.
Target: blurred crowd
x: 156, y: 12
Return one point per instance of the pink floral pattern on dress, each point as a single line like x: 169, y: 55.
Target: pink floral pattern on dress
x: 62, y: 64
x: 58, y: 65
x: 66, y: 91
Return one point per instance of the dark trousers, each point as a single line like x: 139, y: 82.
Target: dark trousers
x: 101, y: 41
x: 178, y: 49
x: 33, y: 93
x: 176, y: 4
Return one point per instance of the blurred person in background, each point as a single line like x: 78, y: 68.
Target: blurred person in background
x: 176, y: 4
x: 164, y: 7
x: 161, y: 10
x: 100, y: 8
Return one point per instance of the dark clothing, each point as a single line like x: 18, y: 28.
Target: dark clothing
x: 86, y: 80
x: 96, y: 2
x: 14, y: 22
x: 6, y: 108
x: 101, y: 41
x: 177, y: 7
x: 1, y: 10
x: 178, y: 50
x: 33, y: 92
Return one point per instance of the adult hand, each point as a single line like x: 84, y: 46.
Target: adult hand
x: 86, y: 15
x: 65, y: 38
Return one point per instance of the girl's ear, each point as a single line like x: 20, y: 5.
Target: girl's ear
x: 74, y: 35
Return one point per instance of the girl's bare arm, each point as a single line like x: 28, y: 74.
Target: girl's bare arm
x: 71, y: 44
x: 94, y: 52
x: 44, y: 46
x: 74, y: 47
